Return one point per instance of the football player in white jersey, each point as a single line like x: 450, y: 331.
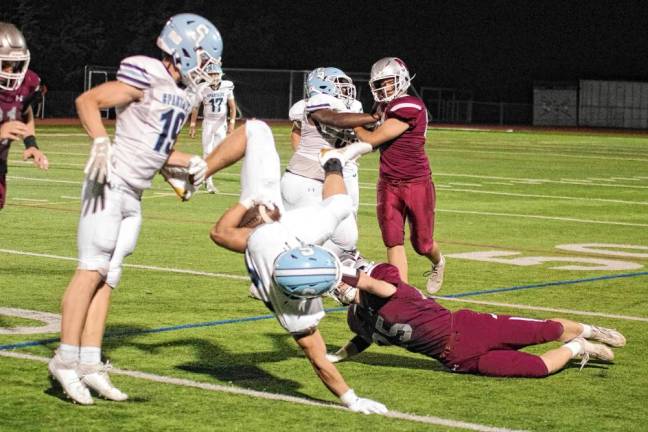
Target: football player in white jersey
x: 219, y: 115
x: 153, y: 101
x: 273, y: 248
x: 321, y: 124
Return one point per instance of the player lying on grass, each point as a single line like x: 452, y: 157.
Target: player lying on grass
x: 388, y: 311
x: 290, y: 272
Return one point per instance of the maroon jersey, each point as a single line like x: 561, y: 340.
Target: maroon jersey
x: 404, y: 158
x: 13, y: 105
x: 405, y: 319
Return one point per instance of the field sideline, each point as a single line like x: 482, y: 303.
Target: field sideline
x: 533, y: 223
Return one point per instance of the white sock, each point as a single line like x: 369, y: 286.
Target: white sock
x: 68, y: 352
x: 587, y: 331
x: 575, y: 348
x: 90, y: 354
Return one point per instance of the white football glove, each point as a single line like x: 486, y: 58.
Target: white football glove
x: 334, y: 357
x: 99, y: 167
x: 178, y: 178
x: 197, y: 170
x: 362, y: 405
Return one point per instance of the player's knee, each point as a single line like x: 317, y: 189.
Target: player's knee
x: 422, y: 247
x: 339, y: 205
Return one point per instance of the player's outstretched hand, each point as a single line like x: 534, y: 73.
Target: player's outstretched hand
x: 99, y: 167
x: 197, y: 170
x: 362, y: 405
x: 13, y: 130
x: 40, y: 160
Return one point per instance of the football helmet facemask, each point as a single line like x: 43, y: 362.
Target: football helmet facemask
x: 389, y: 79
x: 14, y: 57
x: 194, y: 44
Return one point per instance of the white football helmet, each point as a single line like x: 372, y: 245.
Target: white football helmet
x: 389, y: 79
x: 14, y: 57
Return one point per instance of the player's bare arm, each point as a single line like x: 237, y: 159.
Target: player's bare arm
x: 342, y: 120
x: 392, y: 128
x: 231, y: 116
x: 192, y: 122
x: 32, y: 151
x: 13, y: 130
x: 107, y: 95
x: 226, y: 232
x: 354, y: 347
x: 315, y: 349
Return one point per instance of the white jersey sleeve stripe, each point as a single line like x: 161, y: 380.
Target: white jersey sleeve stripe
x: 318, y: 107
x: 404, y: 105
x: 142, y: 71
x: 132, y: 81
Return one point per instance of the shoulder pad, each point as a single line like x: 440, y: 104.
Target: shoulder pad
x: 141, y: 71
x: 226, y: 85
x: 31, y: 81
x: 296, y: 112
x: 323, y: 101
x: 404, y: 108
x: 356, y: 107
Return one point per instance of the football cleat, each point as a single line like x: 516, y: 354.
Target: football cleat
x: 593, y: 351
x: 96, y: 377
x: 435, y: 276
x: 65, y: 374
x: 210, y: 187
x: 608, y: 336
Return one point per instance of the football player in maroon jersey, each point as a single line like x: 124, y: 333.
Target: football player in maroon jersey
x: 405, y: 187
x: 388, y: 311
x: 18, y: 89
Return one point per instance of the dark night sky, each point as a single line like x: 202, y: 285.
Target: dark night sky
x: 496, y: 48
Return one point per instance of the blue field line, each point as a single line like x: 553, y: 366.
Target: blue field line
x: 544, y: 285
x: 337, y: 309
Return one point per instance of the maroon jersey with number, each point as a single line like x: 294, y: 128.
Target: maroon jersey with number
x: 13, y: 105
x: 404, y: 158
x: 405, y: 319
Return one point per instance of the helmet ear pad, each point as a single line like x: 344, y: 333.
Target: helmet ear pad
x: 307, y: 271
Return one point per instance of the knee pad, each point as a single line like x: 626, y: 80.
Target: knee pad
x: 339, y: 205
x: 345, y: 235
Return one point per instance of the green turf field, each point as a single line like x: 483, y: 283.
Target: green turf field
x: 513, y: 197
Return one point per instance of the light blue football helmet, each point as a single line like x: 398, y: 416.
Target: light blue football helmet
x: 344, y: 83
x: 307, y: 271
x: 331, y: 81
x: 193, y: 43
x: 215, y: 72
x: 316, y: 83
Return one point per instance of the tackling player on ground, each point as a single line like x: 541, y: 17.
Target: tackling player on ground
x: 386, y: 310
x: 288, y: 268
x: 18, y: 89
x: 152, y: 106
x: 219, y: 115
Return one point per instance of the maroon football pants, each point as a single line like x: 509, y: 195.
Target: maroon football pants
x: 487, y: 344
x: 414, y: 201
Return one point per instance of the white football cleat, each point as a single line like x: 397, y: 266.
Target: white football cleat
x: 608, y: 336
x: 593, y: 351
x: 96, y: 377
x: 435, y: 276
x: 66, y: 375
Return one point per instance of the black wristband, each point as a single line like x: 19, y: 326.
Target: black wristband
x: 30, y: 141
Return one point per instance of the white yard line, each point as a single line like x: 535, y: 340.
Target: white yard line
x: 30, y: 199
x: 542, y: 308
x: 138, y: 266
x: 239, y: 391
x: 237, y: 277
x: 557, y: 218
